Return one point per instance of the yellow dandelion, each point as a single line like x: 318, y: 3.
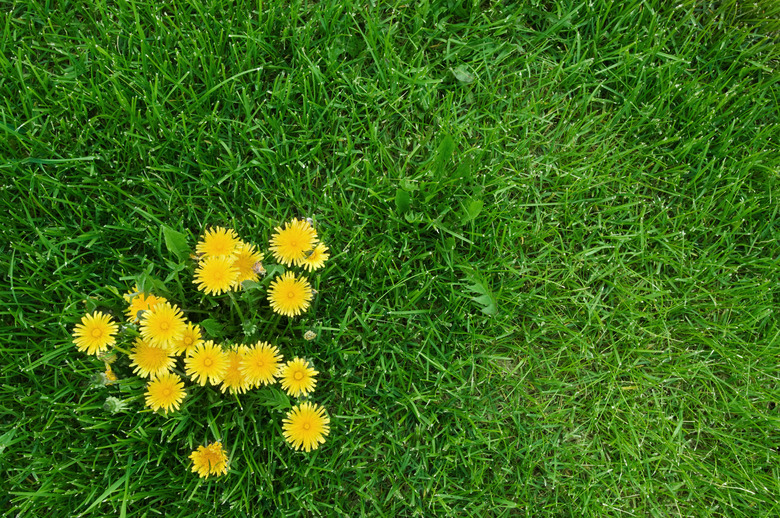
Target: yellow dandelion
x: 234, y: 378
x: 261, y: 364
x: 298, y: 377
x: 166, y: 392
x: 289, y: 245
x: 206, y: 362
x: 289, y: 295
x: 140, y: 302
x: 316, y: 258
x: 163, y: 325
x: 306, y: 426
x: 95, y: 333
x: 247, y: 259
x: 216, y: 275
x: 217, y: 241
x: 208, y: 460
x: 108, y: 377
x: 191, y: 338
x: 150, y: 361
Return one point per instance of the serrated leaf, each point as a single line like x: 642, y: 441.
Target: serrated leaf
x: 472, y: 210
x: 462, y: 75
x: 403, y: 201
x: 486, y: 299
x: 176, y: 243
x: 274, y: 398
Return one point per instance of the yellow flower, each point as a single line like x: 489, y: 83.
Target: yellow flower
x: 108, y: 377
x: 306, y: 426
x: 207, y: 362
x: 163, y: 325
x: 247, y: 260
x: 150, y: 361
x: 95, y: 333
x: 261, y: 364
x: 289, y: 245
x: 234, y: 378
x: 316, y: 258
x: 216, y: 275
x: 288, y: 295
x: 298, y: 377
x: 140, y: 302
x: 208, y: 460
x: 166, y: 392
x: 191, y: 337
x: 217, y: 241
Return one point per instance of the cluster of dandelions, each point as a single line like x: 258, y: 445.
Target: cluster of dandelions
x: 167, y: 348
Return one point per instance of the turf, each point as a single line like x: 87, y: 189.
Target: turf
x: 554, y: 227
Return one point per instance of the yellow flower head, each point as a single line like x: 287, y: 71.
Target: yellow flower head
x: 191, y: 337
x: 298, y: 377
x: 234, y: 378
x: 166, y: 392
x: 140, y: 302
x: 163, y: 325
x: 150, y: 361
x: 246, y: 260
x: 208, y: 460
x: 95, y: 333
x: 288, y: 295
x: 260, y: 364
x: 216, y: 275
x: 207, y: 362
x: 289, y: 245
x: 306, y: 426
x: 316, y: 258
x: 217, y: 241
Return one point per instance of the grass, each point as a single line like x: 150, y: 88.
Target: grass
x: 554, y: 227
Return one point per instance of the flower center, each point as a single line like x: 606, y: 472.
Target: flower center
x: 208, y: 362
x: 187, y: 340
x: 97, y: 333
x: 306, y: 426
x: 164, y: 326
x: 298, y: 375
x: 167, y: 392
x: 290, y: 294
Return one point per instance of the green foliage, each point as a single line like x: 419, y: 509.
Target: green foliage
x: 602, y: 174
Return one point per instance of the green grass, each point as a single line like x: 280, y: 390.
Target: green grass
x: 554, y: 227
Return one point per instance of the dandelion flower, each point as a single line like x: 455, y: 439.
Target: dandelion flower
x: 150, y: 361
x: 289, y: 295
x: 216, y: 275
x: 261, y: 364
x: 298, y: 377
x: 234, y: 378
x: 217, y: 241
x: 316, y: 259
x: 108, y: 377
x: 95, y: 333
x: 306, y: 426
x: 206, y: 362
x: 246, y: 260
x: 166, y: 392
x: 191, y: 338
x: 289, y: 245
x: 208, y: 460
x: 140, y: 302
x: 163, y: 325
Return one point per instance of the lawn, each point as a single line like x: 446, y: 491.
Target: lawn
x: 554, y: 278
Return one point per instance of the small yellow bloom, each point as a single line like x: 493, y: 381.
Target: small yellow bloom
x: 163, y: 325
x: 298, y: 377
x: 316, y: 258
x: 166, y: 392
x: 208, y: 460
x: 261, y: 364
x: 289, y: 245
x: 208, y: 362
x: 306, y: 426
x: 246, y: 260
x: 140, y: 302
x: 234, y: 378
x: 191, y: 338
x: 95, y: 333
x: 216, y: 275
x: 217, y: 241
x: 150, y: 361
x: 289, y: 295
